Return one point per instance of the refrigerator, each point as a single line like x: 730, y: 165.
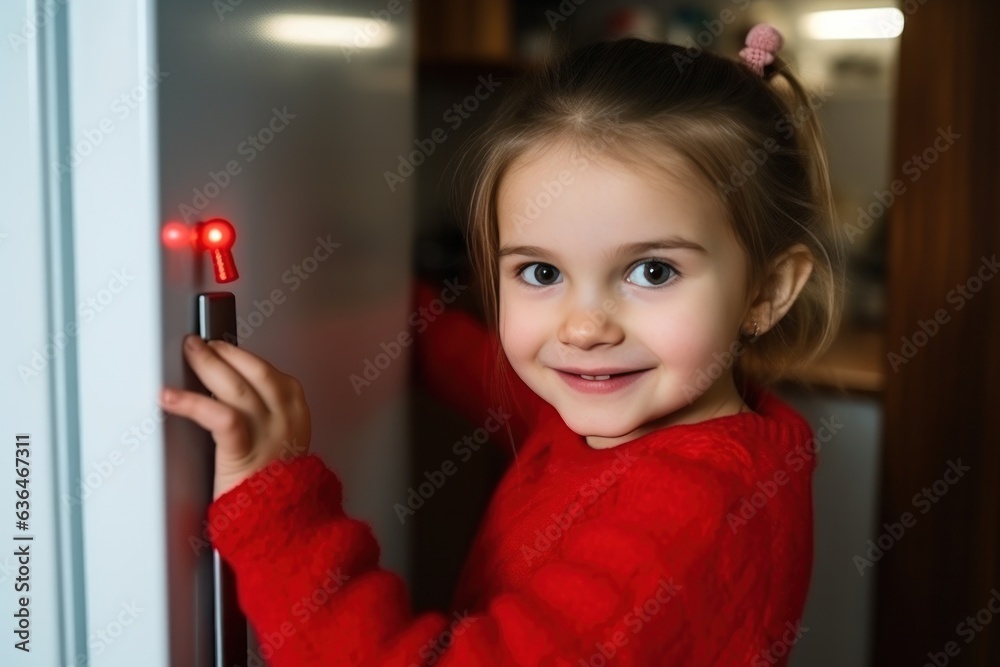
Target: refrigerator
x: 126, y: 120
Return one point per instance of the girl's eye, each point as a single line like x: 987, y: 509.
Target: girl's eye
x: 651, y: 273
x: 540, y: 275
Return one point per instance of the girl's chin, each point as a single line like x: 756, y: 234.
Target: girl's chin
x: 611, y: 424
x: 589, y: 427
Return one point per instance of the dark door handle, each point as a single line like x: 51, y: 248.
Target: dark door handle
x: 216, y: 317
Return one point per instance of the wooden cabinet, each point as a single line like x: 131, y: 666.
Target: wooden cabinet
x: 464, y: 30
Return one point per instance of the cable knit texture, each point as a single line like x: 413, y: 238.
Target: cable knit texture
x: 690, y: 545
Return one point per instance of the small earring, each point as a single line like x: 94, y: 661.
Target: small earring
x: 756, y: 333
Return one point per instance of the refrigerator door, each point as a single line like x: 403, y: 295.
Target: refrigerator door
x: 83, y: 343
x: 41, y: 578
x: 281, y: 117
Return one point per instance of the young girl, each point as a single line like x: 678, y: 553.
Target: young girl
x: 654, y: 235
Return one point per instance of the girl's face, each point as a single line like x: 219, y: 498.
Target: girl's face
x: 621, y: 294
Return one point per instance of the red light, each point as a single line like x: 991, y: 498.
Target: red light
x: 177, y: 235
x: 217, y: 236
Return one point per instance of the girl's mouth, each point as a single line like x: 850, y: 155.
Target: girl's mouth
x: 601, y: 383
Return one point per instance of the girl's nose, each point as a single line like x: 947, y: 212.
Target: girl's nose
x: 586, y: 328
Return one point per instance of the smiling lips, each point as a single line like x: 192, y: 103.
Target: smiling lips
x: 599, y: 380
x: 602, y: 373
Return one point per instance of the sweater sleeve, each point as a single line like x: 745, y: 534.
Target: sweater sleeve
x: 622, y: 584
x: 461, y: 363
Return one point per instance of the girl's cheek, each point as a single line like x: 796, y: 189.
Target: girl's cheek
x: 683, y: 331
x: 518, y: 327
x: 512, y: 324
x: 524, y: 329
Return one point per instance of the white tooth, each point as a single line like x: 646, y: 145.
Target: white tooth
x: 602, y: 377
x: 594, y: 377
x: 586, y: 377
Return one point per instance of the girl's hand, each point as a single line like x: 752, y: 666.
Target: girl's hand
x: 258, y: 413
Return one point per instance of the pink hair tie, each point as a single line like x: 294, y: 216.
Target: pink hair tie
x: 763, y: 41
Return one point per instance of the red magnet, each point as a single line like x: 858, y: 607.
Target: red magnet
x: 217, y: 236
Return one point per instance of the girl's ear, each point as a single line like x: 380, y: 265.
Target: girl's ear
x: 786, y: 278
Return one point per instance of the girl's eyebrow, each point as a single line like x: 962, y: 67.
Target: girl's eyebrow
x: 674, y: 242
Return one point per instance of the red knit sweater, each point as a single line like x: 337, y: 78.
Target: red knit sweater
x: 690, y: 545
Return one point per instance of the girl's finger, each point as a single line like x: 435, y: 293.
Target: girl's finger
x: 226, y: 424
x: 274, y: 387
x: 220, y: 378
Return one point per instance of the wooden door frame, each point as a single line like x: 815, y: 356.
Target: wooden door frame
x: 942, y: 397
